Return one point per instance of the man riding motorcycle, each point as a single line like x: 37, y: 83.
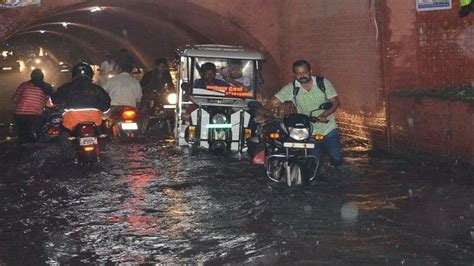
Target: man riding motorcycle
x: 83, y: 101
x: 154, y: 83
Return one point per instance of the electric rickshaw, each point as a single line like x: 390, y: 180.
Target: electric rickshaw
x: 216, y: 82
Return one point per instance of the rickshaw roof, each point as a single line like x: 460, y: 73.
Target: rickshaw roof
x: 220, y: 51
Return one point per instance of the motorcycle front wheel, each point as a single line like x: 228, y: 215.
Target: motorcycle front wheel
x: 293, y: 174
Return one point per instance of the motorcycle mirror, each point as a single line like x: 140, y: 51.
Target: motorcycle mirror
x: 325, y: 106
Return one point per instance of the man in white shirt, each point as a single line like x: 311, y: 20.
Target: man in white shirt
x: 108, y: 67
x: 123, y: 89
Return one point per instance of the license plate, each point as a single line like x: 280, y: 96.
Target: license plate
x: 298, y: 145
x: 129, y: 126
x: 87, y: 141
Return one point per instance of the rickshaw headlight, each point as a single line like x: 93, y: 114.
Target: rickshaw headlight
x: 219, y: 119
x: 299, y: 133
x: 172, y: 98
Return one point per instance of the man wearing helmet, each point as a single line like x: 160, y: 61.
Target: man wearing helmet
x: 82, y: 99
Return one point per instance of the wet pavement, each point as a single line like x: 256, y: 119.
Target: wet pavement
x: 150, y: 202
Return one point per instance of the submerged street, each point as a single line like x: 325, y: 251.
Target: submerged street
x: 150, y: 202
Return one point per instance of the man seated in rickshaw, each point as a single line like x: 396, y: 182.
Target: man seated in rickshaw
x: 233, y: 74
x: 208, y: 72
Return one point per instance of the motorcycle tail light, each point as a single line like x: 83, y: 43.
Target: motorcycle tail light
x: 247, y: 133
x: 274, y: 135
x: 53, y: 131
x: 129, y: 114
x: 318, y: 137
x: 88, y: 148
x: 87, y: 129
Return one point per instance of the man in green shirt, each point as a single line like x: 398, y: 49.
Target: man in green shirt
x: 466, y: 7
x: 308, y: 98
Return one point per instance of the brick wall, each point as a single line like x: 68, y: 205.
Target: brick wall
x: 441, y: 127
x: 425, y: 50
x: 341, y: 39
x: 422, y: 51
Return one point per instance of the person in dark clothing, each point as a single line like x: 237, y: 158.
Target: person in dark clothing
x: 208, y: 72
x: 82, y: 100
x: 158, y: 79
x: 156, y: 82
x: 30, y: 99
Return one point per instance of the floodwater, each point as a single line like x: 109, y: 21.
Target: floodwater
x: 150, y: 202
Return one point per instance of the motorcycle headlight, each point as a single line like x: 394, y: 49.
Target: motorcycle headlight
x: 219, y: 119
x: 299, y: 133
x: 172, y: 98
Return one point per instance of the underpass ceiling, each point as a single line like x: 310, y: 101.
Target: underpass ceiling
x: 148, y: 29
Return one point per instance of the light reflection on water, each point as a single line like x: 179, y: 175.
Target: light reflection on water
x: 148, y: 204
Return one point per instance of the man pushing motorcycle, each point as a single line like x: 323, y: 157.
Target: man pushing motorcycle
x: 305, y: 93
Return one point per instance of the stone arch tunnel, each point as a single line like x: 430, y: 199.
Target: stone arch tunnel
x: 368, y: 49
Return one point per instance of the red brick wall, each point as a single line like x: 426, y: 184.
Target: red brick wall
x: 437, y: 126
x: 428, y: 50
x: 424, y: 50
x: 341, y: 39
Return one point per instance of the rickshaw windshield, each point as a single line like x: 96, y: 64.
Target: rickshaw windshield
x: 222, y: 77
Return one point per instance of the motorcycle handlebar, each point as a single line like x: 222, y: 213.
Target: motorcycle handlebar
x: 314, y: 119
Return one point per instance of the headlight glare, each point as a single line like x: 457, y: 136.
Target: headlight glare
x: 299, y: 133
x: 172, y: 98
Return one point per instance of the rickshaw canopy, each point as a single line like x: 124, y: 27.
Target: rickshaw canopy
x: 220, y: 51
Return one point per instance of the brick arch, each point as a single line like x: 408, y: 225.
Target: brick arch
x: 167, y: 24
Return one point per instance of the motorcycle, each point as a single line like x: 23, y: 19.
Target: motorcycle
x: 162, y: 109
x: 285, y: 143
x: 124, y: 124
x: 85, y: 137
x: 51, y: 125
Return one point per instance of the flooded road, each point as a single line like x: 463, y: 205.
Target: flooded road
x: 149, y: 202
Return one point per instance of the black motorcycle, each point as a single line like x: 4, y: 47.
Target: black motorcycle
x: 285, y: 143
x: 161, y: 113
x: 85, y: 138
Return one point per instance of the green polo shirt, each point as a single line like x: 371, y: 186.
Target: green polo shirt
x: 306, y: 101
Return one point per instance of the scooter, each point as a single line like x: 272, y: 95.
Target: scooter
x: 124, y: 124
x: 285, y: 143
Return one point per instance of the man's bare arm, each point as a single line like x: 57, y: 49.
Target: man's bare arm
x: 335, y: 105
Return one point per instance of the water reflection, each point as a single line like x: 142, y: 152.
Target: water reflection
x: 148, y: 203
